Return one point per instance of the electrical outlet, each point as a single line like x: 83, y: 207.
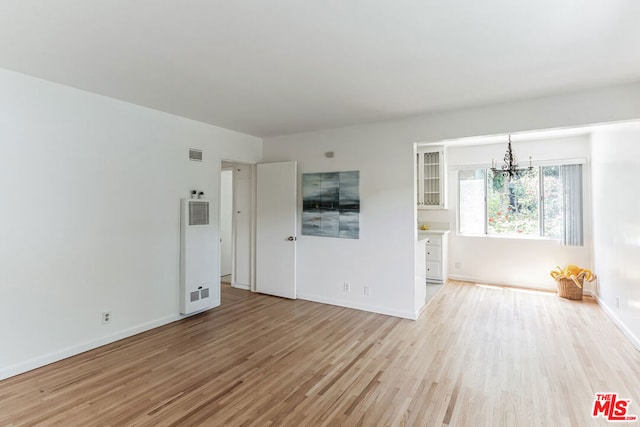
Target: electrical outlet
x: 106, y: 317
x: 367, y: 291
x: 457, y: 265
x: 347, y: 287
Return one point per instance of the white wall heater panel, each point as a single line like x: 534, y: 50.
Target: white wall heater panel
x: 199, y: 281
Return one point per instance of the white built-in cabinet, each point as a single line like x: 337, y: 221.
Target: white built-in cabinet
x: 431, y: 174
x: 436, y: 248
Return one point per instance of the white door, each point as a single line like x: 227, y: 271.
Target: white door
x: 276, y: 229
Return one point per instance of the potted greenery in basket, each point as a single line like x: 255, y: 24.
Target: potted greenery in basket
x: 570, y: 280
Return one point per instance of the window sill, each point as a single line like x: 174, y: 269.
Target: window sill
x: 510, y: 237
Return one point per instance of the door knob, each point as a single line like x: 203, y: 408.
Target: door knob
x: 291, y: 238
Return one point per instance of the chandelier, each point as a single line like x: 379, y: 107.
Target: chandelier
x: 510, y: 168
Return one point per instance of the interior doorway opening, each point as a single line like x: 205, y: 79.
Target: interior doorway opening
x: 236, y: 225
x: 226, y: 224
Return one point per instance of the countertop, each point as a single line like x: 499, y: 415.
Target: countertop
x: 423, y: 234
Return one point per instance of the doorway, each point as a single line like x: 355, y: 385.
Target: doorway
x: 236, y: 225
x: 226, y: 224
x: 238, y: 188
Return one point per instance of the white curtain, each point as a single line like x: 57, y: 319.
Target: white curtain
x: 572, y: 189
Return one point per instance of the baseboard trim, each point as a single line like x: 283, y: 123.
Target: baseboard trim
x: 357, y: 306
x: 535, y: 286
x: 586, y: 291
x: 38, y: 362
x: 635, y: 341
x: 239, y: 286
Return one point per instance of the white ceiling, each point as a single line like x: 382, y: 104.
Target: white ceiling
x: 274, y: 67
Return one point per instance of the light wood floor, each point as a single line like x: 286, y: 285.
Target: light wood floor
x: 476, y: 357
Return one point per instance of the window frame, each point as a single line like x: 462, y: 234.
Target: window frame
x: 539, y: 165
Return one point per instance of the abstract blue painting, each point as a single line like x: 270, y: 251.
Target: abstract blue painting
x: 331, y: 204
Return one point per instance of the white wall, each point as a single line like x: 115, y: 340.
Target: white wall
x: 377, y: 258
x: 502, y: 260
x: 90, y: 215
x: 616, y: 211
x: 383, y: 258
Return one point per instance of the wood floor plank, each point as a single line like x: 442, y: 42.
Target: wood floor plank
x: 478, y: 356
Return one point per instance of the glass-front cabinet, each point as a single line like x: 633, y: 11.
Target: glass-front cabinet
x: 431, y: 175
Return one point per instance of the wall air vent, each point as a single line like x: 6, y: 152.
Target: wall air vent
x: 195, y: 296
x: 198, y: 213
x: 195, y: 154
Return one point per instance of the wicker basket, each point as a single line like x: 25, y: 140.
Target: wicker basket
x: 568, y: 289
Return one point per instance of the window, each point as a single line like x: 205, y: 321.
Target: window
x: 471, y: 206
x: 546, y: 201
x: 513, y: 205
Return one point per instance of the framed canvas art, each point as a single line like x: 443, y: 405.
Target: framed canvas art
x: 331, y: 204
